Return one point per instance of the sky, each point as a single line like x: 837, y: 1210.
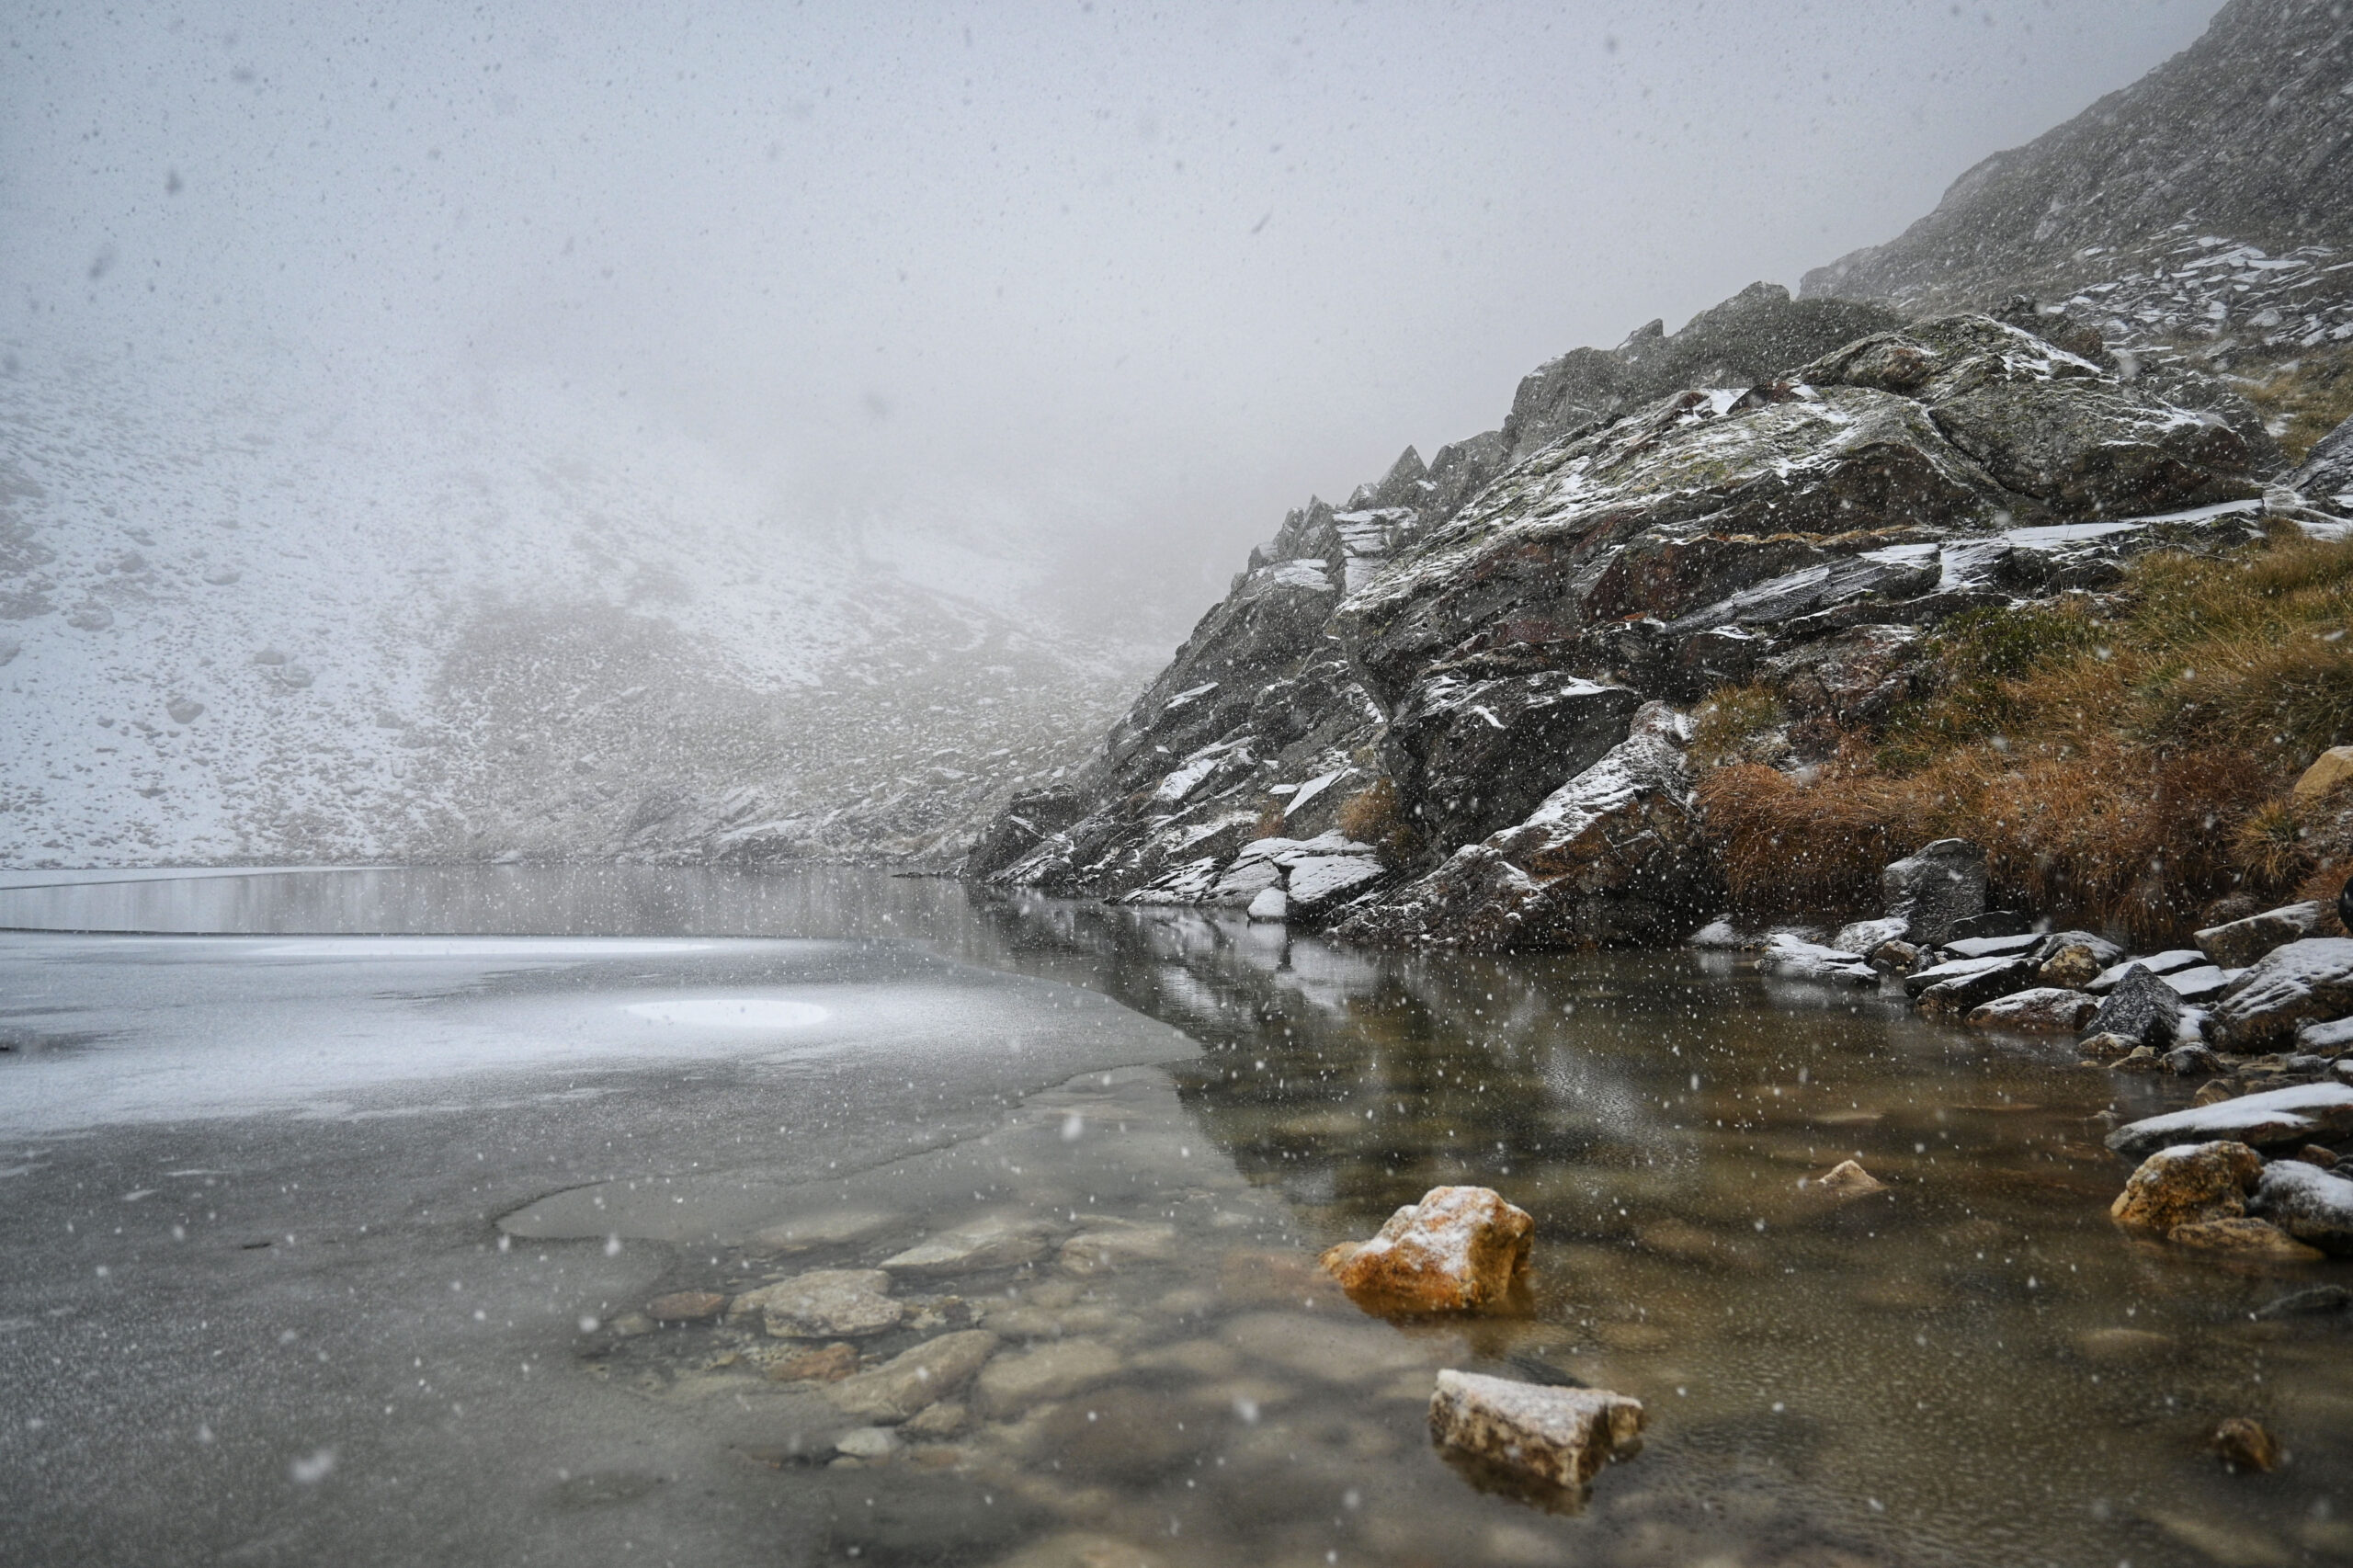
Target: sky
x: 1105, y: 287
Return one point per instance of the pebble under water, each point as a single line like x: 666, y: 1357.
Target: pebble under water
x: 1971, y: 1366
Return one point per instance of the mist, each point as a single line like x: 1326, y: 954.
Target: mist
x: 1100, y: 291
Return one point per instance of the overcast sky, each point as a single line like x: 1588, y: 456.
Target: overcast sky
x: 1131, y: 279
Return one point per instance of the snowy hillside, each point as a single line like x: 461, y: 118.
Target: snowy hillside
x: 263, y: 613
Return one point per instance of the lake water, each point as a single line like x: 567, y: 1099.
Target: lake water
x: 454, y: 1140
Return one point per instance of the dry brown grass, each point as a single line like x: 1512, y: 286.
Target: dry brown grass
x: 1375, y: 816
x: 2122, y: 764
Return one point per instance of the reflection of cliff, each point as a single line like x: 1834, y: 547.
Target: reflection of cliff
x: 1361, y: 1079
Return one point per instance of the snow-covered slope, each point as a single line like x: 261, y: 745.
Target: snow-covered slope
x: 265, y: 611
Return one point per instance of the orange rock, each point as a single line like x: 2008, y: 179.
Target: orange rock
x: 2245, y: 1445
x: 1459, y: 1247
x: 687, y: 1306
x: 2188, y: 1183
x: 829, y: 1365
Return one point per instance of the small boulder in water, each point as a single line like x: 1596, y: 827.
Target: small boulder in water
x: 1846, y: 1179
x: 2189, y: 1182
x: 1559, y: 1436
x: 687, y: 1306
x: 2245, y: 1445
x: 1459, y: 1247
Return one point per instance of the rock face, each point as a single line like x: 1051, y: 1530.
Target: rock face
x: 1456, y: 672
x: 2188, y: 1183
x: 1559, y: 1436
x: 1610, y: 858
x: 1460, y: 1247
x: 2244, y: 130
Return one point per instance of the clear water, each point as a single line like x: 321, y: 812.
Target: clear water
x: 1971, y: 1367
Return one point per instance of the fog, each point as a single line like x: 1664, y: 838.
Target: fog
x: 1117, y: 283
x: 556, y: 429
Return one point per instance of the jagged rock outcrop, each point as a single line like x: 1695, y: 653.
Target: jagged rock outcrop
x: 1424, y: 707
x: 2243, y: 134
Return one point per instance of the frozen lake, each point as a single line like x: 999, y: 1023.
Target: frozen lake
x: 336, y: 1203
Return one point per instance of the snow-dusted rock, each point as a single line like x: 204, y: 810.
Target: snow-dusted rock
x: 2302, y: 1113
x: 1863, y: 936
x: 2072, y: 958
x: 2187, y: 1182
x: 1934, y: 887
x: 1961, y: 969
x: 2200, y: 983
x: 2304, y: 979
x: 1478, y: 755
x: 1967, y: 983
x: 1271, y: 905
x: 2329, y: 1038
x: 2308, y: 1203
x: 1319, y: 882
x: 1560, y: 1436
x: 1459, y: 1247
x: 2240, y: 942
x: 2172, y: 961
x: 1786, y: 955
x: 2044, y: 1009
x: 2141, y: 1006
x: 2012, y: 945
x: 1613, y: 858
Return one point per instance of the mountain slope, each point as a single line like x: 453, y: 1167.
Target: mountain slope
x: 2244, y: 139
x: 267, y: 615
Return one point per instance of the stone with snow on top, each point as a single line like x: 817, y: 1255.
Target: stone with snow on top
x: 1471, y: 757
x: 1613, y: 858
x: 1242, y: 881
x: 2166, y: 963
x: 2107, y: 1047
x: 1993, y: 947
x: 826, y: 1304
x: 2288, y: 985
x: 2329, y: 769
x: 2192, y: 1062
x: 1846, y: 1179
x: 2309, y: 1203
x: 2185, y: 1182
x: 1960, y: 969
x: 2141, y: 1007
x: 1317, y: 882
x: 2044, y: 1009
x: 1863, y: 937
x: 1992, y: 922
x: 1786, y: 955
x: 2200, y: 982
x: 1460, y: 1247
x: 2238, y: 943
x: 1272, y: 904
x: 1935, y: 886
x: 1559, y: 1436
x: 1959, y: 996
x: 2301, y: 1113
x: 2073, y: 958
x: 2327, y: 1038
x: 934, y: 1370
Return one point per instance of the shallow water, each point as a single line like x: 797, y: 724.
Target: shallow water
x: 1971, y: 1367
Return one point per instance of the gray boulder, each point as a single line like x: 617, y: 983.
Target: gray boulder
x: 1934, y: 888
x: 2327, y: 474
x: 1963, y: 994
x: 2239, y: 943
x: 2307, y: 980
x: 2141, y: 1008
x: 2302, y: 1113
x: 2307, y: 1202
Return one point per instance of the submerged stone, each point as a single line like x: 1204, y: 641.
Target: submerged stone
x: 1560, y: 1436
x: 932, y: 1371
x: 826, y: 1304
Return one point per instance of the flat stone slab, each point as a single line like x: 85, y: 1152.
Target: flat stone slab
x: 995, y: 1241
x: 2298, y: 1114
x: 1557, y: 1435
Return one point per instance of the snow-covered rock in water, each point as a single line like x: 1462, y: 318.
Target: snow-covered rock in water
x: 2170, y: 961
x: 2302, y: 1113
x: 2015, y: 944
x: 2187, y: 1182
x: 2143, y: 1008
x: 1459, y: 1247
x: 1934, y: 888
x: 1786, y: 955
x: 2307, y: 1202
x: 1613, y: 858
x: 1270, y: 904
x: 2200, y: 983
x: 1559, y: 1436
x: 2240, y: 942
x: 1863, y: 936
x: 2310, y: 978
x: 2045, y: 1009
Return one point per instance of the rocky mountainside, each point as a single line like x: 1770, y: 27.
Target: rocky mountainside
x: 2226, y: 173
x: 280, y: 619
x: 1455, y: 708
